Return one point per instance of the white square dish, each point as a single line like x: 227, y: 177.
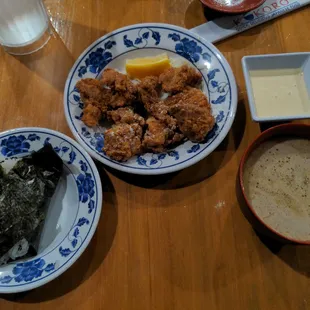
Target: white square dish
x: 275, y: 83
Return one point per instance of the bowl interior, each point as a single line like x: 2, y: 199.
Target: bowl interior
x: 61, y: 213
x: 274, y: 62
x: 285, y: 131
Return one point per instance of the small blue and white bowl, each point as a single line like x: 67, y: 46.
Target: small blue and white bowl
x: 300, y: 61
x: 73, y: 212
x: 141, y: 40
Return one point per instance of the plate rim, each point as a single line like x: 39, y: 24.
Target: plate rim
x: 163, y: 170
x: 40, y: 282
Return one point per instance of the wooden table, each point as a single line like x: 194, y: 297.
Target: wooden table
x: 172, y: 242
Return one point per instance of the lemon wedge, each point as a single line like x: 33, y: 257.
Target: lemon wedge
x: 146, y: 66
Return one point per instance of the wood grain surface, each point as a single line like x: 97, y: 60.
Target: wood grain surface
x: 171, y: 242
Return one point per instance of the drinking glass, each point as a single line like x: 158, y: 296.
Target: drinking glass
x: 24, y: 26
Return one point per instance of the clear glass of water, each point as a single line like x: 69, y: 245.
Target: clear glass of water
x: 24, y: 26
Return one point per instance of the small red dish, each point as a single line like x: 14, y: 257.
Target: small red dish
x: 232, y: 6
x: 285, y: 130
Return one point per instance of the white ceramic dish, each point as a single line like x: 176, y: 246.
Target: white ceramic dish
x: 145, y: 40
x: 274, y: 62
x: 73, y: 212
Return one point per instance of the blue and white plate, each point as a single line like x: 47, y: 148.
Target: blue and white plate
x: 73, y: 211
x: 143, y: 40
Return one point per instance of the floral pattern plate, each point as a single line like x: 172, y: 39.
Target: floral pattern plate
x: 143, y: 40
x: 73, y: 211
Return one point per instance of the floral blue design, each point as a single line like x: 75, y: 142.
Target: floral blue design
x: 82, y: 221
x: 91, y: 206
x: 153, y: 161
x: 86, y: 186
x: 156, y: 37
x: 74, y: 242
x: 174, y: 36
x: 141, y: 161
x: 15, y: 145
x: 220, y: 117
x: 194, y: 148
x: 72, y: 156
x: 217, y: 87
x: 220, y: 99
x: 189, y: 49
x: 74, y: 237
x: 211, y: 74
x: 98, y: 141
x: 211, y: 133
x: 28, y: 271
x: 143, y: 36
x: 156, y: 160
x: 79, y: 117
x: 162, y: 156
x: 97, y: 59
x: 76, y: 98
x: 34, y: 137
x: 86, y: 133
x: 128, y: 43
x: 174, y: 154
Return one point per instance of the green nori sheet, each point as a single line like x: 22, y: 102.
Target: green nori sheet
x: 24, y: 191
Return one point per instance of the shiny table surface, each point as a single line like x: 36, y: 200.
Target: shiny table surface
x: 172, y: 242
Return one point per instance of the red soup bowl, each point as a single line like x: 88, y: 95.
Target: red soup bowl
x: 232, y: 6
x: 280, y: 131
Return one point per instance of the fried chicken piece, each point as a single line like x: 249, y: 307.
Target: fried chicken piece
x: 155, y: 136
x: 189, y: 95
x: 124, y: 91
x: 118, y: 101
x: 160, y: 112
x: 125, y: 115
x: 148, y: 90
x: 91, y: 115
x: 174, y: 80
x: 194, y: 121
x: 158, y: 136
x: 92, y: 92
x: 149, y: 93
x: 90, y: 89
x: 123, y: 141
x: 174, y: 138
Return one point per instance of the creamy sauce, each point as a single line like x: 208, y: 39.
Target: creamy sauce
x: 277, y: 184
x: 280, y: 92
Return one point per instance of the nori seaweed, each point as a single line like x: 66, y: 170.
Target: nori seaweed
x: 24, y: 192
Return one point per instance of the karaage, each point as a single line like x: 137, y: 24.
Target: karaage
x: 148, y: 90
x: 193, y: 121
x: 189, y: 95
x: 123, y: 90
x: 155, y: 136
x: 175, y: 80
x: 92, y: 92
x: 125, y: 115
x: 91, y: 115
x: 142, y: 120
x: 123, y: 141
